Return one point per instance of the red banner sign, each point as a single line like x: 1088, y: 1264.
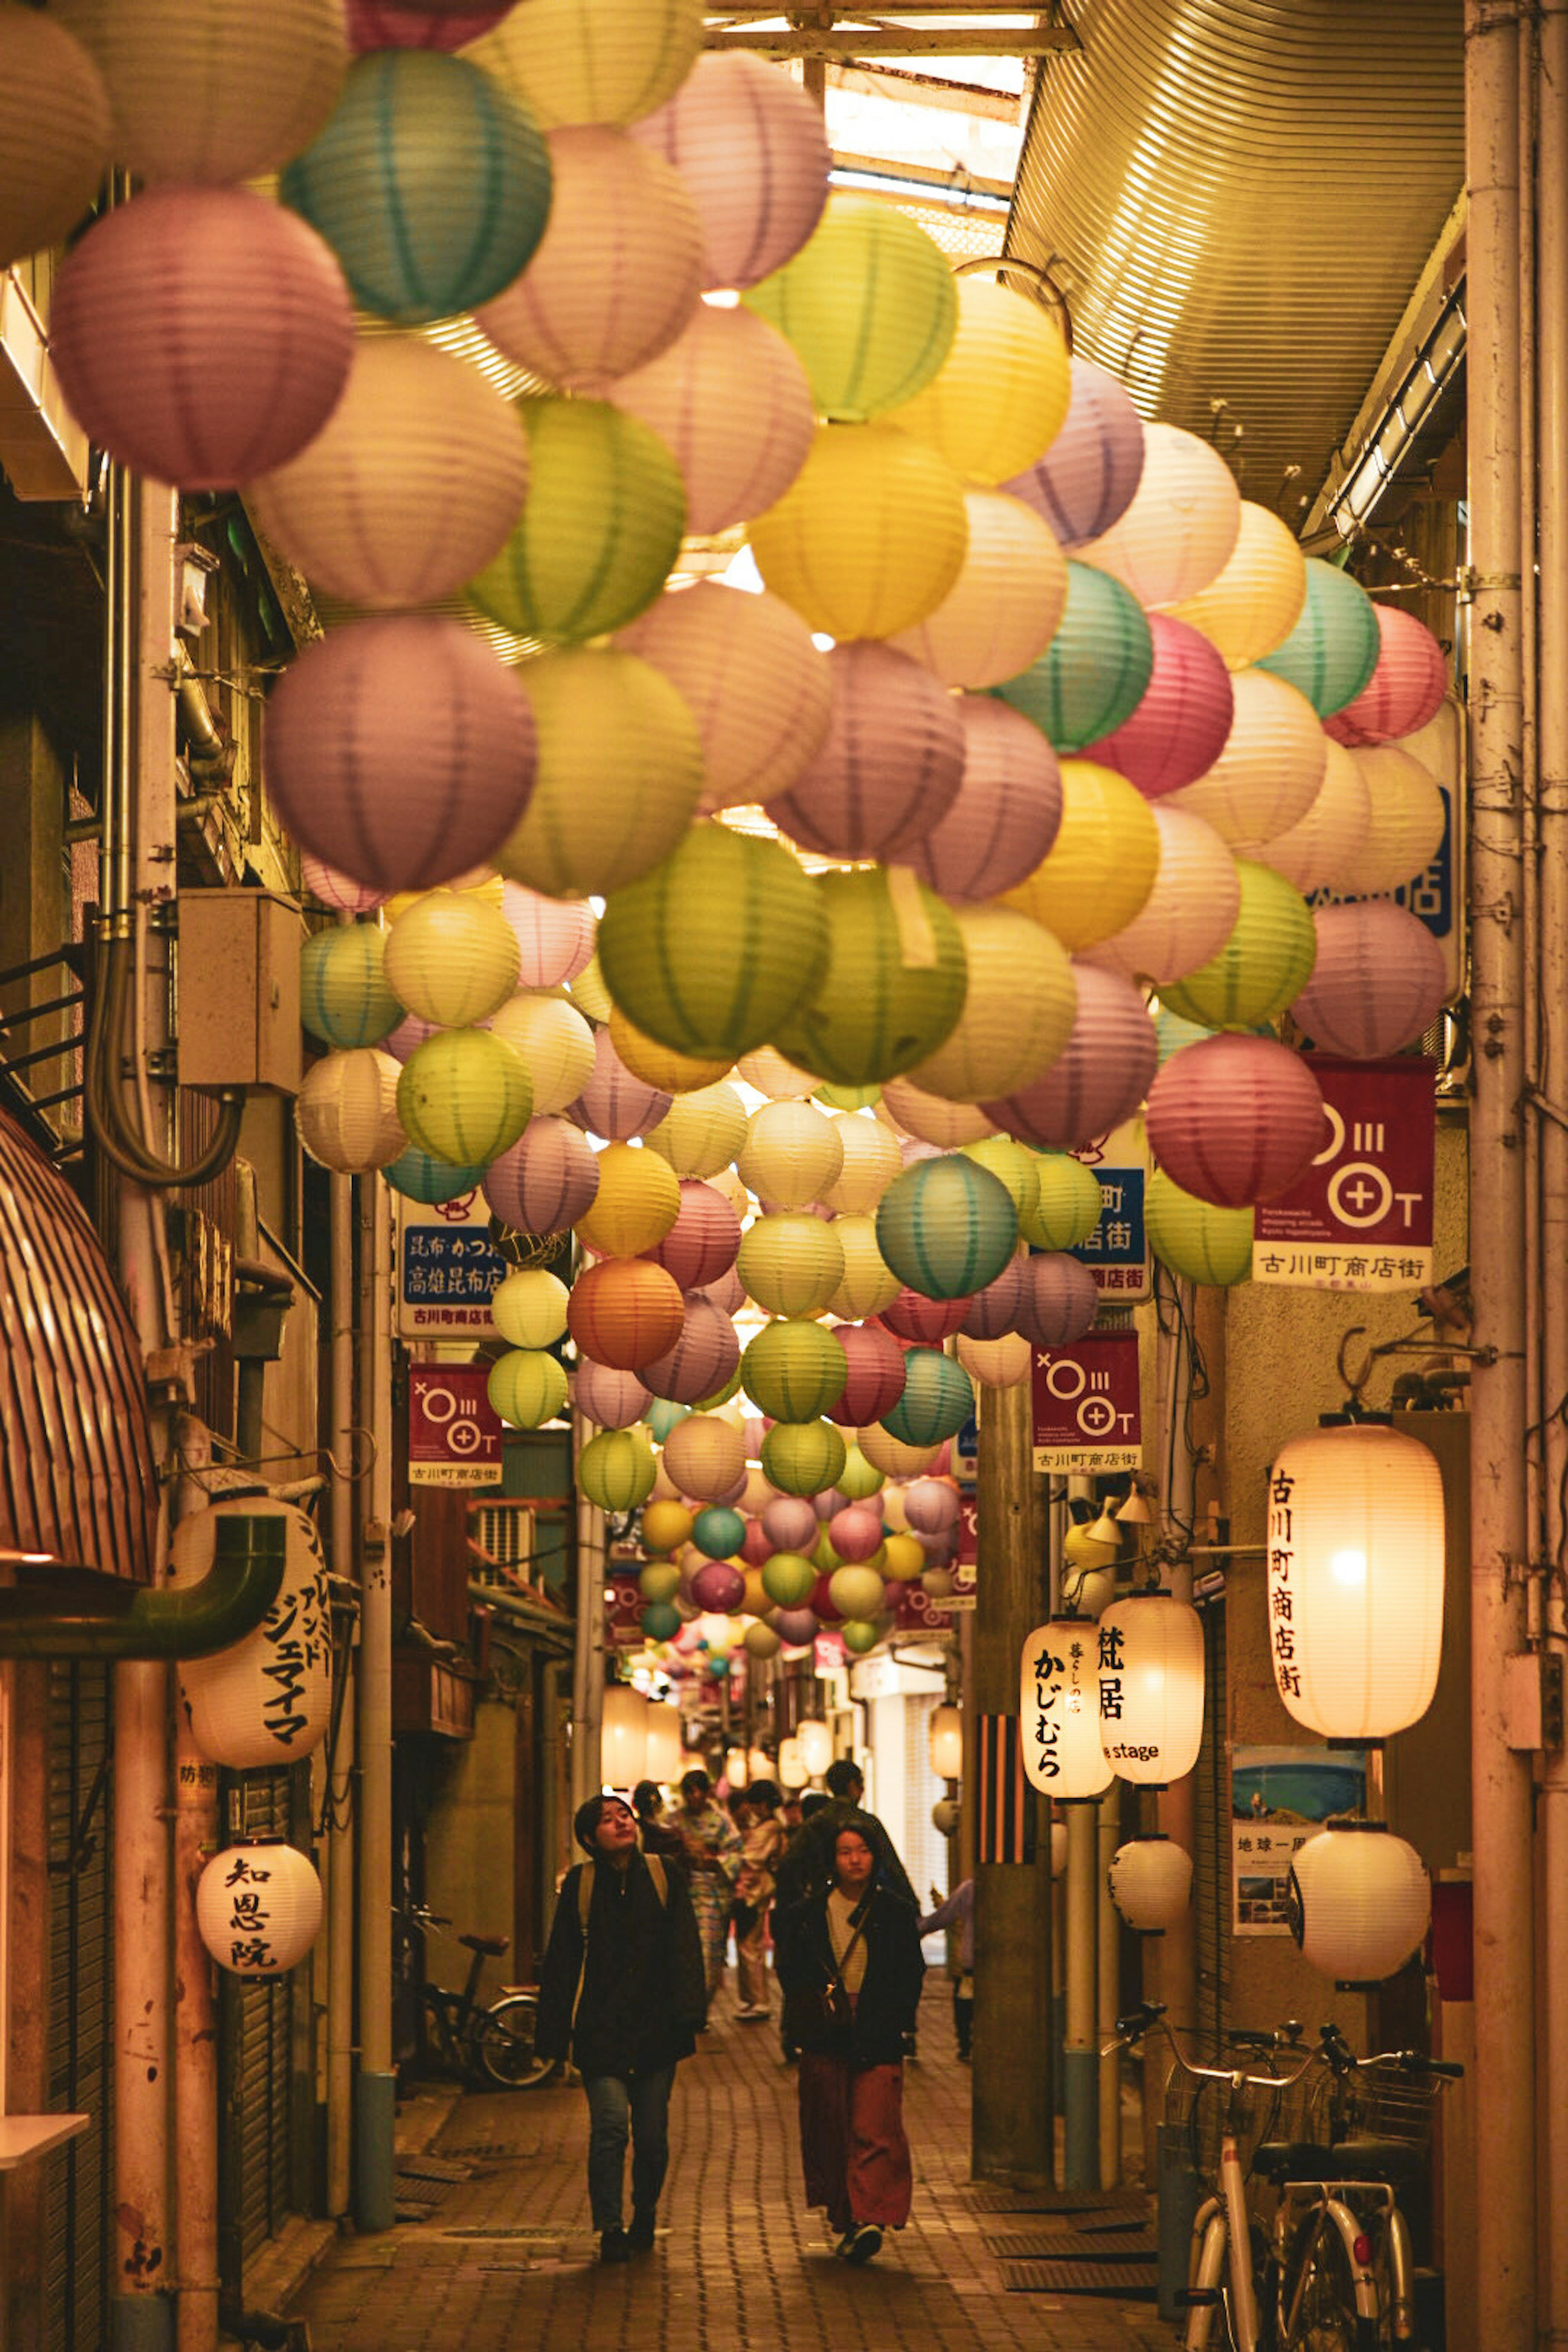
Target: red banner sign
x: 1086, y: 1406
x: 1361, y: 1217
x: 454, y: 1430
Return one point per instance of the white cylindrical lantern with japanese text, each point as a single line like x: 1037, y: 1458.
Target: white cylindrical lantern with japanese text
x: 623, y: 1737
x: 1359, y: 1902
x: 1059, y: 1711
x: 944, y: 1742
x: 815, y: 1747
x: 1150, y: 1668
x: 266, y: 1700
x: 258, y: 1906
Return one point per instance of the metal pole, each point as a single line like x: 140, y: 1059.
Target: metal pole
x: 588, y: 1650
x: 1080, y: 2054
x: 341, y: 1792
x: 1500, y: 1779
x: 1109, y: 2003
x: 376, y: 2111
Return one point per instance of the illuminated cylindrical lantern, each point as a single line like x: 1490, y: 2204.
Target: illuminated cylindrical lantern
x: 793, y: 1774
x: 1100, y: 1077
x: 1150, y: 1883
x: 1060, y: 1711
x: 1407, y: 687
x: 265, y: 1701
x: 1360, y: 1903
x: 1150, y: 1668
x: 1181, y: 527
x: 1095, y: 671
x: 944, y: 1742
x: 1378, y: 981
x: 1086, y: 478
x: 625, y: 1313
x: 661, y: 1760
x: 815, y: 1747
x: 1180, y: 726
x: 258, y: 1906
x: 623, y: 1736
x: 1236, y: 1119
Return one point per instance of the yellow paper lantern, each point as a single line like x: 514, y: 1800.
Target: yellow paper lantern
x: 1252, y: 605
x: 1018, y: 1011
x: 860, y: 1479
x: 527, y: 1388
x: 662, y: 1066
x: 664, y: 1527
x: 705, y: 1456
x: 791, y: 1265
x: 589, y: 994
x: 1404, y: 819
x: 346, y: 1114
x: 766, y: 1072
x: 529, y: 1307
x: 464, y: 1095
x: 1000, y: 397
x: 1180, y: 529
x: 867, y: 1283
x: 903, y: 1555
x: 760, y: 692
x: 1067, y: 1206
x: 1102, y: 866
x: 1013, y: 1165
x: 891, y: 1454
x: 1265, y: 963
x: 638, y: 1202
x: 1267, y: 776
x: 452, y: 958
x: 909, y: 1111
x: 556, y: 1042
x: 792, y: 1155
x: 700, y: 1133
x: 620, y: 773
x: 1003, y: 608
x: 592, y: 60
x: 869, y: 537
x: 870, y: 1160
x: 869, y: 304
x: 1004, y: 1363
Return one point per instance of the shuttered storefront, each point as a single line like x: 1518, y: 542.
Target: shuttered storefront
x: 256, y: 2026
x: 1211, y: 1893
x: 78, y: 2217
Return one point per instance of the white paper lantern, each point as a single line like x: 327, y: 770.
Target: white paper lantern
x: 816, y: 1747
x: 1271, y: 768
x: 732, y: 403
x: 266, y: 1700
x: 258, y: 1906
x: 1360, y: 1903
x: 1003, y: 608
x: 556, y: 1042
x: 871, y: 1159
x: 1150, y: 1668
x: 1179, y: 531
x: 346, y: 1112
x: 752, y: 145
x: 623, y: 1736
x: 1356, y: 1541
x: 1060, y: 1711
x: 1322, y: 850
x: 792, y: 1154
x: 793, y: 1773
x: 1191, y: 912
x: 1150, y: 1883
x: 661, y: 1760
x: 944, y: 1741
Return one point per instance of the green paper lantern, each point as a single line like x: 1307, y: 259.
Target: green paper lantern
x: 660, y: 1581
x: 1193, y: 1238
x: 860, y: 1479
x: 425, y: 1177
x: 1093, y: 674
x: 344, y: 998
x: 660, y: 1621
x: 1067, y: 1204
x: 790, y: 1265
x: 720, y: 1396
x: 859, y: 1637
x: 527, y: 1387
x: 1263, y: 966
x: 870, y: 305
x: 718, y: 1531
x: 849, y: 1098
x: 794, y: 1370
x: 429, y: 182
x: 803, y: 1457
x: 616, y: 1470
x: 947, y: 1226
x: 937, y: 1400
x: 599, y: 531
x: 788, y: 1579
x: 465, y: 1096
x: 824, y: 1559
x: 1333, y: 650
x: 662, y: 1416
x: 890, y: 985
x: 711, y: 950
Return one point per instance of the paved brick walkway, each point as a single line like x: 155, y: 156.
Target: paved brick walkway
x: 505, y: 2261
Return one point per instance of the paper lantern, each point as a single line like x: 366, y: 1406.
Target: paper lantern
x: 615, y: 276
x: 429, y: 182
x: 1178, y: 532
x: 613, y: 1400
x: 1356, y: 1538
x: 869, y: 304
x: 890, y: 985
x: 615, y: 1470
x: 791, y: 1265
x: 259, y: 1907
x: 625, y: 1313
x: 893, y: 1456
x: 727, y: 1292
x: 890, y: 767
x: 1406, y: 690
x: 368, y: 752
x: 931, y: 1507
x: 1151, y: 1665
x: 661, y: 1623
x: 339, y: 891
x: 547, y: 1179
x: 528, y: 1307
x: 344, y: 998
x: 636, y: 1203
x: 594, y: 60
x: 408, y: 25
x: 791, y: 1156
x: 1000, y: 396
x: 54, y: 133
x: 1196, y: 1240
x: 1099, y: 1078
x: 1150, y: 1883
x: 1406, y: 819
x: 662, y: 1066
x: 790, y: 1522
x: 909, y: 1109
x: 704, y: 1455
x: 855, y: 1534
x: 866, y: 1284
x: 795, y: 1370
x: 994, y: 1310
x: 1378, y: 983
x: 1330, y: 653
x: 1183, y: 720
x: 874, y: 1379
x: 267, y: 1699
x: 345, y: 1113
x: 1006, y: 605
x: 1236, y: 1119
x: 1094, y: 673
x: 665, y: 1526
x: 870, y: 535
x: 1060, y: 1711
x: 803, y: 1457
x: 1100, y: 868
x: 1086, y: 480
x: 556, y: 1042
x: 1067, y: 1205
x: 1323, y: 849
x: 718, y: 1532
x: 1265, y: 962
x: 554, y: 937
x: 750, y: 146
x: 869, y: 1161
x: 200, y: 335
x: 662, y: 1416
x: 937, y: 1398
x: 700, y: 1132
x: 527, y: 1387
x: 1017, y: 1010
x: 1057, y: 1300
x: 1191, y: 912
x: 1268, y: 774
x: 793, y: 1774
x: 760, y: 691
x: 1250, y: 607
x: 766, y: 1072
x: 701, y: 1244
x: 947, y: 1227
x: 730, y: 402
x: 858, y: 1481
x: 858, y: 1593
x: 422, y: 1176
x: 1005, y: 1362
x: 661, y: 1757
x: 465, y: 1097
x: 1360, y: 1903
x: 701, y: 1367
x: 410, y: 486
x: 920, y: 1321
x: 452, y: 958
x: 1006, y: 812
x: 614, y: 1102
x: 620, y: 773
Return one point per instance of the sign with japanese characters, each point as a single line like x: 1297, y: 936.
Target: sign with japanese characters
x: 1361, y: 1217
x: 1280, y: 1797
x: 1117, y: 1252
x: 1086, y: 1400
x: 454, y: 1430
x: 1059, y: 1711
x: 447, y: 1269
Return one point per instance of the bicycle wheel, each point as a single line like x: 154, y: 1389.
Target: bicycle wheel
x: 503, y: 2044
x: 1326, y: 2317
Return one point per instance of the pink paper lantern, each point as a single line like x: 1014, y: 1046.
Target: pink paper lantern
x: 1179, y: 729
x: 891, y: 765
x: 339, y: 891
x: 751, y: 148
x: 747, y: 670
x: 719, y: 1587
x: 855, y: 1532
x: 615, y: 1103
x: 412, y: 1032
x: 1405, y: 688
x: 931, y: 1507
x: 1190, y: 912
x: 369, y: 745
x: 791, y: 1523
x: 556, y: 935
x: 757, y: 1547
x: 795, y: 1627
x: 923, y: 1322
x: 1236, y: 1119
x: 1057, y: 1301
x: 702, y: 1360
x: 380, y: 24
x: 201, y: 335
x: 1007, y: 811
x: 1089, y: 477
x: 732, y: 402
x: 547, y: 1179
x: 993, y: 1312
x: 728, y: 1291
x: 702, y: 1242
x: 1379, y: 980
x: 876, y: 1381
x: 1100, y: 1077
x: 608, y: 1398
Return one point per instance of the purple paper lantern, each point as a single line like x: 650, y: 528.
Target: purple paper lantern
x: 719, y: 1587
x: 608, y: 1398
x: 1057, y: 1300
x: 701, y: 1244
x: 876, y: 1380
x: 993, y: 1312
x: 790, y: 1522
x: 795, y: 1627
x: 1179, y: 729
x: 1100, y: 1077
x: 1378, y: 981
x: 412, y: 1032
x: 382, y: 24
x: 750, y: 146
x: 554, y: 936
x: 931, y: 1507
x: 546, y: 1180
x: 615, y: 1103
x: 1087, y: 476
x: 1405, y: 688
x: 1006, y: 812
x: 1236, y: 1119
x: 892, y: 763
x: 702, y: 1360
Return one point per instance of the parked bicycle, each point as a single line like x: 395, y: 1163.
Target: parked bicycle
x: 489, y: 2045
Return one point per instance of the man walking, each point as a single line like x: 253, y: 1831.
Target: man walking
x: 622, y: 1994
x: 808, y: 1862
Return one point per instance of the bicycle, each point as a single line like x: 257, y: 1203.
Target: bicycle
x: 488, y: 2045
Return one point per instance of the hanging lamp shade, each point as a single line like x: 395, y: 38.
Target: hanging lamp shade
x: 700, y: 1132
x: 594, y: 60
x: 896, y: 1459
x: 794, y: 1370
x: 200, y: 335
x: 344, y: 997
x: 339, y: 891
x: 889, y: 766
x: 411, y: 486
x: 1196, y: 1240
x: 624, y: 1313
x: 1356, y: 1555
x: 1095, y: 671
x: 920, y: 1321
x: 994, y: 1310
x: 909, y: 1111
x: 452, y: 958
x: 1099, y: 1078
x: 259, y: 1907
x: 1330, y: 653
x: 556, y: 1042
x: 615, y: 1470
x: 1360, y: 1903
x: 1270, y: 773
x: 891, y: 983
x: 791, y: 1265
x: 429, y: 182
x: 704, y: 1455
x: 54, y: 132
x: 613, y: 1400
x: 1099, y: 870
x: 1378, y: 983
x: 464, y: 1095
x: 529, y: 1307
x: 938, y: 1398
x: 1406, y: 819
x: 869, y: 1161
x: 346, y: 1114
x: 1180, y: 726
x: 662, y: 1756
x: 554, y: 937
x: 702, y: 1362
x: 614, y: 1102
x: 265, y: 1701
x: 1057, y: 1300
x: 1406, y: 690
x: 1323, y: 849
x: 636, y: 1203
x: 1266, y: 960
x: 1150, y: 1883
x: 803, y: 1457
x: 1180, y: 529
x: 745, y: 666
x: 417, y: 24
x: 1006, y: 605
x: 700, y: 1245
x: 1060, y: 1711
x: 1236, y: 1119
x: 1000, y: 396
x: 1190, y: 912
x: 1017, y: 1010
x: 1250, y: 607
x: 366, y: 747
x: 947, y: 1227
x: 527, y: 1387
x: 866, y: 1284
x: 874, y: 1376
x: 1067, y: 1205
x: 869, y: 304
x: 1006, y: 812
x: 1087, y: 477
x: 420, y: 1176
x: 729, y: 401
x: 547, y: 1179
x: 1150, y: 1668
x: 1005, y: 1362
x: 751, y: 148
x: 870, y: 535
x: 790, y: 1155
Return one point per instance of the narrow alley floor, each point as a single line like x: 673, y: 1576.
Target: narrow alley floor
x: 505, y: 2258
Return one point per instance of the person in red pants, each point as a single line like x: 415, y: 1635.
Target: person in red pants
x: 849, y: 1960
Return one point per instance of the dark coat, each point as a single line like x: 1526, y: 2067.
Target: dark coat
x: 890, y: 1994
x: 808, y: 1860
x: 643, y: 1997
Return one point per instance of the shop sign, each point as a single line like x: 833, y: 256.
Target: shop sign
x: 1361, y: 1217
x: 454, y: 1430
x: 1117, y: 1252
x: 447, y: 1269
x: 1087, y: 1404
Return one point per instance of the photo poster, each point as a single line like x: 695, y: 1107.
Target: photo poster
x: 1279, y: 1797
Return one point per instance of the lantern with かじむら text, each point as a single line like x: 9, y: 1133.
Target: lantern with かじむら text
x: 1060, y: 1711
x: 258, y: 1906
x: 1150, y: 1668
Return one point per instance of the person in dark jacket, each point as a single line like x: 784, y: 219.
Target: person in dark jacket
x: 624, y: 1997
x: 806, y: 1865
x: 849, y: 1958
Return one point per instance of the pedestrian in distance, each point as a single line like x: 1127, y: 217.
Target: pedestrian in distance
x: 958, y: 1912
x: 849, y: 1958
x: 713, y: 1859
x: 763, y: 1842
x: 621, y: 1994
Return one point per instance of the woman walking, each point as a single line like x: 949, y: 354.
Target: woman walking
x: 713, y: 1858
x: 761, y: 1842
x: 848, y: 1957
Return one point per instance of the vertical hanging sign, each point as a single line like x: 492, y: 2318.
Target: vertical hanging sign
x: 1087, y: 1405
x: 1361, y: 1217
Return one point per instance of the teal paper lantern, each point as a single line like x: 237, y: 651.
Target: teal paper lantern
x: 1331, y: 651
x: 660, y: 1621
x: 421, y: 1176
x: 1093, y: 674
x: 344, y: 996
x: 430, y: 183
x: 938, y: 1399
x: 718, y: 1531
x: 947, y: 1227
x: 662, y: 1416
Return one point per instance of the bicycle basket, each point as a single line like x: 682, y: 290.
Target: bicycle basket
x: 1200, y: 2108
x: 1377, y: 2102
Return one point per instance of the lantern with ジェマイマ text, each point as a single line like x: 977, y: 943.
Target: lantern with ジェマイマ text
x: 258, y: 1906
x: 1060, y: 1711
x: 1151, y: 1670
x: 1359, y: 1903
x: 266, y: 1700
x: 1356, y: 1551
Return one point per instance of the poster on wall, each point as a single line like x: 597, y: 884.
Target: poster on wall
x: 1117, y: 1252
x: 1279, y: 1797
x: 1361, y: 1217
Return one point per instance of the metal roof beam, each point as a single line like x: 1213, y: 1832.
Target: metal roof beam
x: 849, y: 43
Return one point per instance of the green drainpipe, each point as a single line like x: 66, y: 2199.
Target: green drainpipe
x: 57, y: 1612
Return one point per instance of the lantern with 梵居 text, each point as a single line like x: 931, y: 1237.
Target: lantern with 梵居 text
x: 1150, y: 1667
x: 623, y: 1738
x: 1060, y: 1711
x: 258, y: 1906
